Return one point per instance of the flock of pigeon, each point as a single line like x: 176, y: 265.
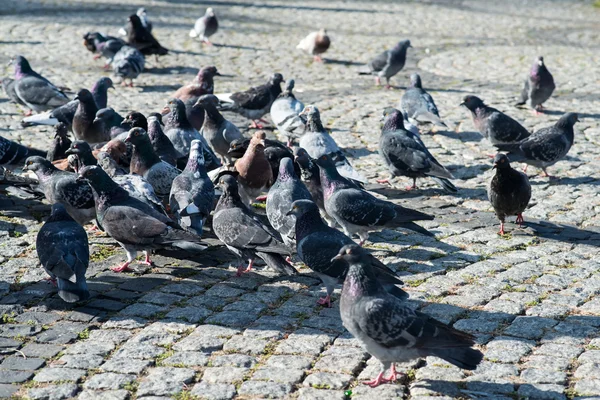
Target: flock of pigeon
x: 161, y: 180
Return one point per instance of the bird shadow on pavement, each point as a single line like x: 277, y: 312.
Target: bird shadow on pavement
x: 341, y: 62
x: 235, y: 46
x: 468, y: 172
x: 564, y: 233
x: 159, y: 88
x: 30, y: 42
x: 465, y: 136
x: 171, y: 70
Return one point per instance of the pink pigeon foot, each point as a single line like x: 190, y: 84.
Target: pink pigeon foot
x: 378, y: 81
x: 383, y: 181
x: 501, y: 233
x: 28, y: 113
x: 325, y: 301
x: 520, y: 219
x: 377, y: 381
x: 393, y: 374
x: 122, y: 268
x: 241, y: 269
x: 388, y: 86
x: 255, y: 125
x: 97, y: 56
x: 261, y: 198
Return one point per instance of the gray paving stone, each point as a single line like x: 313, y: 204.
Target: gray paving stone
x: 224, y: 374
x: 104, y: 395
x: 165, y: 381
x: 143, y: 310
x: 529, y: 327
x: 233, y: 360
x: 108, y: 381
x: 125, y: 365
x: 214, y: 391
x: 588, y: 387
x: 20, y: 363
x: 79, y: 361
x: 283, y: 375
x: 190, y: 314
x: 165, y: 299
x: 52, y: 392
x: 327, y: 380
x: 51, y: 374
x: 6, y: 390
x: 268, y: 390
x: 15, y: 376
x: 187, y: 358
x: 308, y: 393
x: 541, y: 391
x: 543, y: 376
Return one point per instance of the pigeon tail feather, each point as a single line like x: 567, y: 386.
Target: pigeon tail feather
x: 72, y: 292
x: 465, y: 357
x: 40, y: 119
x: 396, y: 291
x: 193, y: 33
x: 415, y: 228
x: 445, y: 184
x: 277, y: 263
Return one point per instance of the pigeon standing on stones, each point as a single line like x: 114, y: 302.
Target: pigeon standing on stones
x: 417, y: 105
x: 193, y: 193
x: 405, y: 154
x: 494, y: 125
x: 60, y: 144
x: 390, y: 330
x: 8, y: 85
x: 205, y: 26
x: 317, y: 142
x: 244, y: 234
x: 135, y: 225
x: 387, y: 64
x: 318, y: 243
x: 143, y: 16
x: 14, y: 153
x: 285, y: 113
x: 140, y: 38
x: 274, y: 151
x: 35, y: 91
x: 358, y: 211
x: 128, y: 63
x: 217, y: 131
x: 315, y: 44
x: 103, y: 46
x: 84, y: 127
x: 509, y: 191
x: 538, y: 86
x: 63, y: 250
x: 254, y: 170
x: 255, y: 102
x: 286, y: 189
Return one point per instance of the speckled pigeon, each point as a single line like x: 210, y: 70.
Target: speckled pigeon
x: 315, y: 44
x: 285, y: 113
x: 310, y: 176
x: 417, y: 105
x: 389, y: 329
x: 63, y: 250
x: 254, y: 169
x: 244, y: 234
x: 14, y: 153
x: 140, y: 38
x: 128, y: 63
x: 217, y: 131
x: 205, y: 26
x: 538, y: 86
x: 388, y: 63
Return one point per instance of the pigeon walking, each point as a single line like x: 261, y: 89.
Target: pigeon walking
x: 315, y: 44
x: 509, y: 191
x: 103, y: 46
x: 205, y: 26
x: 143, y: 16
x: 254, y: 170
x: 318, y: 243
x: 140, y: 38
x: 405, y: 154
x: 128, y: 63
x: 538, y: 86
x: 217, y: 131
x: 387, y: 64
x: 417, y: 105
x: 285, y: 113
x: 391, y: 331
x: 244, y: 234
x: 63, y: 250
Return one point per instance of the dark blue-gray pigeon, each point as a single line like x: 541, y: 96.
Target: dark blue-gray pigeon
x: 8, y: 85
x: 218, y: 132
x: 285, y: 113
x: 12, y: 152
x: 60, y: 144
x: 538, y: 86
x: 205, y: 26
x: 128, y: 63
x: 160, y: 142
x: 85, y: 126
x: 103, y: 46
x: 418, y: 106
x: 387, y: 64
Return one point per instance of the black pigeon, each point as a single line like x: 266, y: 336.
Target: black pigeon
x: 538, y: 86
x: 494, y: 125
x: 255, y: 102
x: 135, y: 225
x: 244, y: 234
x: 14, y: 153
x: 160, y: 142
x: 388, y: 63
x: 83, y: 154
x: 509, y: 191
x: 358, y: 211
x: 405, y: 154
x: 391, y: 331
x: 128, y: 63
x: 84, y: 125
x: 311, y: 177
x: 63, y: 250
x: 547, y: 146
x: 61, y: 187
x: 60, y: 144
x: 274, y: 150
x: 318, y: 243
x: 418, y: 106
x: 286, y: 189
x: 140, y: 38
x: 193, y: 193
x: 141, y: 13
x: 112, y: 123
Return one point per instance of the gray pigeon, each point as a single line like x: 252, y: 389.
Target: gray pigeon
x: 218, y: 131
x: 357, y: 211
x: 63, y: 250
x: 61, y: 187
x: 509, y: 191
x: 538, y: 86
x: 244, y: 234
x: 205, y: 26
x: 193, y: 193
x: 135, y: 225
x: 405, y: 154
x: 286, y: 189
x: 285, y: 113
x: 417, y: 105
x: 160, y: 142
x: 318, y: 244
x: 547, y: 146
x: 103, y: 46
x: 85, y: 127
x: 8, y: 85
x: 387, y: 64
x: 494, y: 125
x: 390, y: 330
x: 14, y: 153
x: 318, y: 142
x: 128, y: 63
x: 35, y: 91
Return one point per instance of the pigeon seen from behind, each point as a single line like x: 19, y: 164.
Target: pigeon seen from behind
x: 315, y: 44
x: 417, y: 105
x: 205, y: 26
x: 285, y: 113
x: 140, y: 38
x: 128, y: 63
x: 387, y: 64
x: 538, y: 86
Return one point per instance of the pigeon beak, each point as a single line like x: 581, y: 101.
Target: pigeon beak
x: 69, y: 151
x: 287, y: 214
x: 165, y: 110
x: 495, y: 165
x: 218, y: 73
x: 127, y: 139
x: 336, y: 258
x: 76, y: 98
x: 462, y: 103
x: 96, y: 120
x: 25, y: 167
x: 264, y: 144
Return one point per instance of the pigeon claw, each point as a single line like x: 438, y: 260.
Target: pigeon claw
x: 261, y: 198
x: 28, y: 113
x: 383, y: 181
x: 255, y: 125
x: 241, y: 269
x: 122, y: 268
x: 317, y: 59
x: 393, y: 374
x: 520, y: 219
x: 378, y: 81
x: 377, y: 381
x: 501, y: 233
x: 325, y: 301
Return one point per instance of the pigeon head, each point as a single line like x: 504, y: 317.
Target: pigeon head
x: 313, y: 118
x: 392, y: 120
x: 286, y: 169
x: 301, y: 207
x: 415, y: 81
x: 196, y: 157
x: 136, y: 120
x: 137, y: 136
x: 402, y: 45
x: 38, y: 165
x: 258, y: 140
x: 210, y: 12
x: 501, y: 161
x: 117, y: 150
x: 301, y: 157
x: 228, y: 184
x: 105, y: 115
x: 59, y: 213
x: 21, y: 65
x: 141, y: 12
x: 472, y: 102
x: 103, y: 83
x: 237, y: 148
x: 135, y: 21
x: 351, y: 253
x: 97, y: 178
x: 568, y: 120
x: 84, y: 95
x: 326, y: 162
x: 208, y: 72
x: 79, y: 147
x: 88, y: 41
x: 276, y: 79
x: 208, y: 101
x: 175, y: 107
x: 289, y: 85
x: 157, y: 116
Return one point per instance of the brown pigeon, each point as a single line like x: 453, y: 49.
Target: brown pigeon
x: 255, y: 174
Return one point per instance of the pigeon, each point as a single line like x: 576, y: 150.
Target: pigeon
x: 274, y: 151
x: 160, y: 142
x: 389, y: 329
x: 135, y: 225
x: 494, y: 125
x: 509, y: 191
x: 547, y: 146
x: 317, y: 142
x: 61, y: 187
x: 103, y: 46
x: 66, y: 113
x: 8, y: 85
x: 417, y: 105
x: 111, y: 121
x: 310, y: 176
x: 392, y: 124
x: 142, y: 39
x: 387, y: 64
x: 538, y: 86
x: 315, y: 44
x: 35, y: 91
x: 255, y: 102
x: 319, y: 243
x: 14, y: 153
x: 84, y: 127
x: 244, y: 234
x: 405, y: 154
x: 60, y: 144
x: 286, y: 189
x: 205, y: 26
x: 143, y: 16
x: 128, y: 63
x: 285, y: 113
x: 83, y: 154
x: 255, y: 174
x: 218, y: 132
x: 192, y: 194
x: 146, y: 163
x: 358, y: 211
x: 202, y: 84
x: 63, y: 250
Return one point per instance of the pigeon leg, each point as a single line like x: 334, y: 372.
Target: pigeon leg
x: 387, y: 83
x: 288, y: 259
x: 318, y: 58
x: 525, y: 168
x: 241, y: 269
x: 501, y: 233
x: 147, y: 260
x: 414, y: 185
x: 261, y: 198
x: 106, y: 66
x: 377, y: 381
x: 383, y: 181
x: 290, y: 143
x: 255, y: 125
x: 520, y: 219
x: 393, y: 374
x: 546, y: 174
x: 122, y: 268
x: 28, y: 113
x: 97, y: 56
x: 325, y: 301
x: 378, y: 81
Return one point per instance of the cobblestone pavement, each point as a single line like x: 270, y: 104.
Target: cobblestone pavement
x: 191, y: 329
